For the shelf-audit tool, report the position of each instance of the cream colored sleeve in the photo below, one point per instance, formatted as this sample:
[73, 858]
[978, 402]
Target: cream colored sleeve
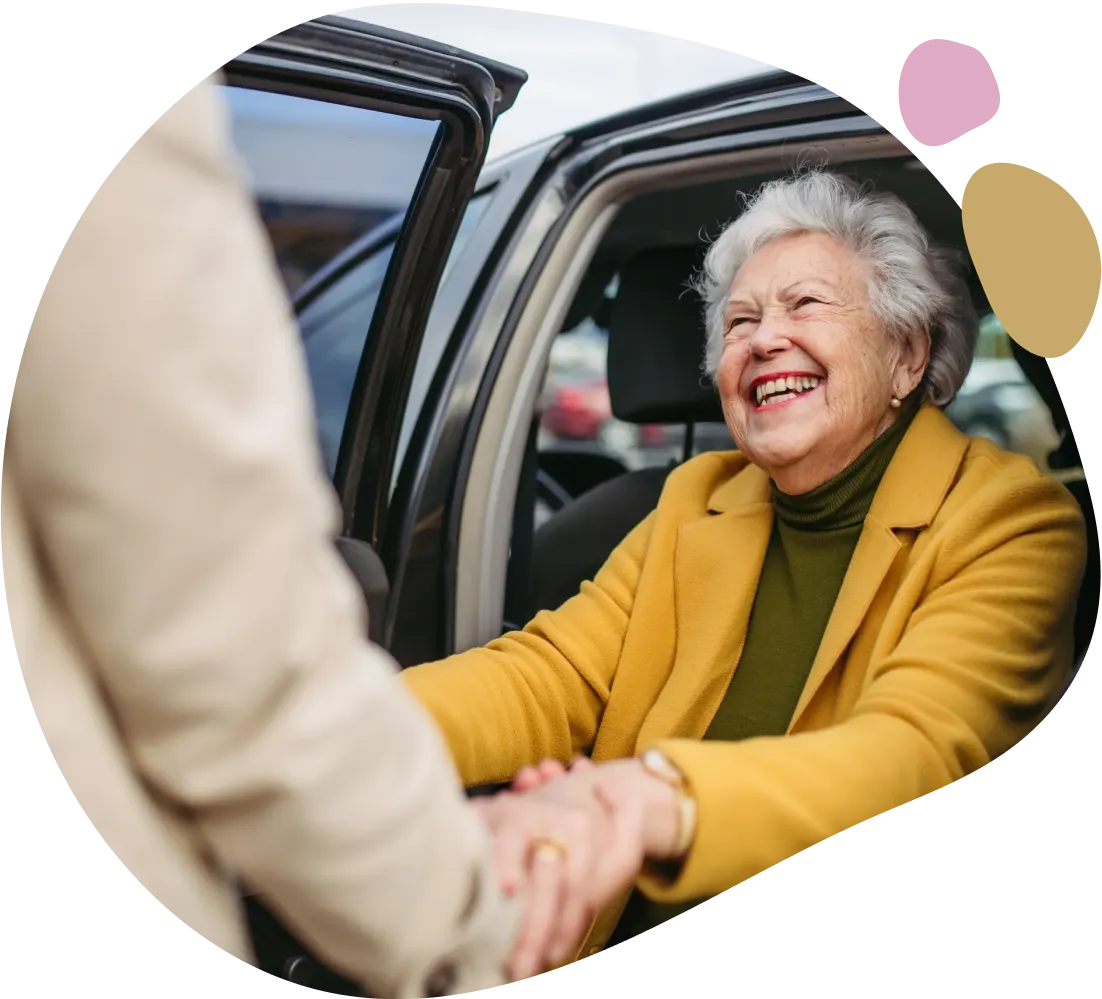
[171, 469]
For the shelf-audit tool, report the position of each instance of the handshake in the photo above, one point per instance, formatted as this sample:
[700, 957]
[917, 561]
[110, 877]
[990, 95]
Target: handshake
[573, 840]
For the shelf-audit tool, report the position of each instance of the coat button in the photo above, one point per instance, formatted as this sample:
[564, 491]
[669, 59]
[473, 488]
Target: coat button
[442, 981]
[299, 970]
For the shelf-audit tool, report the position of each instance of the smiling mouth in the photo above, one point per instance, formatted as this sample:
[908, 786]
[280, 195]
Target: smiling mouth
[781, 388]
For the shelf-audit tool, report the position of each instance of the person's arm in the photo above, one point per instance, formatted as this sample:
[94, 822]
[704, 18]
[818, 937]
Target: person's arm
[975, 669]
[537, 693]
[168, 457]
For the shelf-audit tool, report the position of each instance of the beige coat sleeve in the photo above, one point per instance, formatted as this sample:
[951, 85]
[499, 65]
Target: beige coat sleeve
[168, 459]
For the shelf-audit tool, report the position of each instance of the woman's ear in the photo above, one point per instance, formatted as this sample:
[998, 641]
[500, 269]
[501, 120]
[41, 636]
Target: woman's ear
[911, 363]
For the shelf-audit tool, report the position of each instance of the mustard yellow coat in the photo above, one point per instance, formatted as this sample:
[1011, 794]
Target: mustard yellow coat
[950, 637]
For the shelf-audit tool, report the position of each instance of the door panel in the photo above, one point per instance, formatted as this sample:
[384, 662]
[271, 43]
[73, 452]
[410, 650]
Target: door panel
[368, 569]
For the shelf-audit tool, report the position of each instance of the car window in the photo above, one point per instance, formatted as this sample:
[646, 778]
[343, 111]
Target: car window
[334, 328]
[323, 174]
[997, 401]
[325, 177]
[334, 331]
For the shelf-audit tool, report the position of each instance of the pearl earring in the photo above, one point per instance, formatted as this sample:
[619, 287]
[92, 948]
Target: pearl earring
[895, 403]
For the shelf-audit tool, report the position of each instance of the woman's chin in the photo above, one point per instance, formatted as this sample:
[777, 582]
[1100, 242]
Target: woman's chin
[775, 453]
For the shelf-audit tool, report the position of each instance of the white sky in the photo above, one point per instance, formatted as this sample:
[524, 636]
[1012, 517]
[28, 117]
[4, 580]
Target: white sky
[578, 71]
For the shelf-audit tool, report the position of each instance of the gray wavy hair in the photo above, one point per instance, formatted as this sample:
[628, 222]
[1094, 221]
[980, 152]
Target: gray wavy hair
[915, 286]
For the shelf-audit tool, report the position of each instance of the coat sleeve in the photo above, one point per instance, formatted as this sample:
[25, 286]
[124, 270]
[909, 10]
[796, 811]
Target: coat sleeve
[168, 456]
[538, 693]
[975, 668]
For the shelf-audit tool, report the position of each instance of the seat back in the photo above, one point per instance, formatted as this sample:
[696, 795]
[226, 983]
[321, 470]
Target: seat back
[655, 352]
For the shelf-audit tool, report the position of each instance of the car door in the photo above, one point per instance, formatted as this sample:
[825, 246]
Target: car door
[439, 104]
[314, 111]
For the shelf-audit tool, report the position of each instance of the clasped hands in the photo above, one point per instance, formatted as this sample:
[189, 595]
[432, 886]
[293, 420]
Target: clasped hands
[572, 841]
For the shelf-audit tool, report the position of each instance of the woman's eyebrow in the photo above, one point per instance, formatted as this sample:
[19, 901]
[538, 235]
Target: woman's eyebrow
[809, 284]
[737, 302]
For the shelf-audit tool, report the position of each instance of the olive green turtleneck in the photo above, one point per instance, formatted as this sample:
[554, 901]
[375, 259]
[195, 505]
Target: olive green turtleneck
[812, 540]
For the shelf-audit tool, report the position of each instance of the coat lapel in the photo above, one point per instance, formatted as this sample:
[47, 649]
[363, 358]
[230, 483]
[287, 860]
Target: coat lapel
[717, 566]
[913, 489]
[877, 548]
[716, 570]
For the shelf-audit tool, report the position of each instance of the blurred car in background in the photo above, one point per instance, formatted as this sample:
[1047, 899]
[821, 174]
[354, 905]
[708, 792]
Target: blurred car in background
[576, 410]
[575, 403]
[998, 402]
[581, 410]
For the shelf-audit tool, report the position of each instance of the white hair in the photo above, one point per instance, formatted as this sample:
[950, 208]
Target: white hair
[915, 287]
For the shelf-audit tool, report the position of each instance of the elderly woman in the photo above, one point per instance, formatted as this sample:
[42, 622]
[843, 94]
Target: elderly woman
[857, 607]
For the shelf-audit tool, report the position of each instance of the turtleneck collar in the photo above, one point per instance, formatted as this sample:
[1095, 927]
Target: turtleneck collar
[844, 500]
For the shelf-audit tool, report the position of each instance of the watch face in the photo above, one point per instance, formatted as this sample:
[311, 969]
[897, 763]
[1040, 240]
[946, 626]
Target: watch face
[656, 763]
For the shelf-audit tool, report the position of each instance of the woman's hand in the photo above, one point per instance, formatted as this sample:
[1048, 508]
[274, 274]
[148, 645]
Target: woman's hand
[529, 778]
[621, 782]
[571, 854]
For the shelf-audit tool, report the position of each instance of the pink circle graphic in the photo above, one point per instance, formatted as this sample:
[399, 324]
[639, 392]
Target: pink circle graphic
[945, 90]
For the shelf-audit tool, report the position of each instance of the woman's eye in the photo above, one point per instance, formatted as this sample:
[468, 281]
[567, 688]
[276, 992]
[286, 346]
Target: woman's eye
[806, 300]
[739, 321]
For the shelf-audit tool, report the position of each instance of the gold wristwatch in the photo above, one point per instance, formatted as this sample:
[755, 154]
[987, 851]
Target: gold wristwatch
[656, 764]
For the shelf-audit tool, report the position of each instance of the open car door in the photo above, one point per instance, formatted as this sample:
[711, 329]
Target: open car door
[456, 97]
[361, 377]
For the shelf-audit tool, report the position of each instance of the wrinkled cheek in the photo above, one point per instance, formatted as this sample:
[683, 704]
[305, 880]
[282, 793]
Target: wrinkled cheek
[729, 373]
[732, 365]
[735, 414]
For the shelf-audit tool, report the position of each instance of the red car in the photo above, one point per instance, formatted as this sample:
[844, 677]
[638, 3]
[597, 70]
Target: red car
[581, 411]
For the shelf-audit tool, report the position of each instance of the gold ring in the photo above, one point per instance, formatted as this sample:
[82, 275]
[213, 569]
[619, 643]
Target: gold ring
[548, 845]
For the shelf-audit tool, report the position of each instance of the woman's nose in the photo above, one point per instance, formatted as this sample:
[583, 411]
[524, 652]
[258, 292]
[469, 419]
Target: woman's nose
[769, 336]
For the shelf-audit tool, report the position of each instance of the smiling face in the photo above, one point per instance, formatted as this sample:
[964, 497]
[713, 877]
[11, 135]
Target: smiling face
[808, 372]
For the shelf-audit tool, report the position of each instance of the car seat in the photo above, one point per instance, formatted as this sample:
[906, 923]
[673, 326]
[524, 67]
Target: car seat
[655, 350]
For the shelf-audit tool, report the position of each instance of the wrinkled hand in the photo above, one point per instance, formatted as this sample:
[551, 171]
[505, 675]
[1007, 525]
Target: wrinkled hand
[623, 783]
[529, 778]
[602, 851]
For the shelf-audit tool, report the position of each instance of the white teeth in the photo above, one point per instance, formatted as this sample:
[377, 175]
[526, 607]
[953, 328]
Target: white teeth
[783, 389]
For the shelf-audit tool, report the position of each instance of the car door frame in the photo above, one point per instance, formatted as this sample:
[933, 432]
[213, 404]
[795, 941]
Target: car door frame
[346, 61]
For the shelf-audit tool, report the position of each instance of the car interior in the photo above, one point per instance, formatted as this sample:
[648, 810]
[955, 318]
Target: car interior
[655, 339]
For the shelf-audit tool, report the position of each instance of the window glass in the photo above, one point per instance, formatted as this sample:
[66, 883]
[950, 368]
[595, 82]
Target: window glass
[324, 174]
[324, 177]
[997, 401]
[334, 331]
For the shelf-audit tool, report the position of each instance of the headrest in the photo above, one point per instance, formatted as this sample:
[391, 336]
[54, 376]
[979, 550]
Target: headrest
[656, 342]
[1038, 372]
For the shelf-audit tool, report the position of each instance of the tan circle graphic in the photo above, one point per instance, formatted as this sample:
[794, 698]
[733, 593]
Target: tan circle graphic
[1036, 254]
